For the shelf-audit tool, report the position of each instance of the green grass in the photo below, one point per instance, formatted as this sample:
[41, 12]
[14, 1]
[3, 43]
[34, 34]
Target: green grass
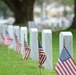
[11, 63]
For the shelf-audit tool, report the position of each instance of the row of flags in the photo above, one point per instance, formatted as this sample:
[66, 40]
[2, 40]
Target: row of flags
[65, 64]
[26, 52]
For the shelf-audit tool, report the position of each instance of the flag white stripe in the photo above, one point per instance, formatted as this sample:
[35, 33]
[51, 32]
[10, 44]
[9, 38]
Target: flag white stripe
[41, 60]
[18, 47]
[44, 59]
[73, 63]
[63, 67]
[41, 57]
[68, 68]
[58, 71]
[72, 69]
[27, 54]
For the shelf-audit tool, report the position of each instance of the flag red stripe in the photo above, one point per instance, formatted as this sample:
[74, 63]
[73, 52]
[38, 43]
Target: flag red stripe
[58, 64]
[69, 65]
[26, 52]
[74, 66]
[42, 57]
[66, 68]
[18, 44]
[59, 70]
[62, 67]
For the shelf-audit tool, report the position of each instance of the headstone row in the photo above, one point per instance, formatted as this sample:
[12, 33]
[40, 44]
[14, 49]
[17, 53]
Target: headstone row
[66, 37]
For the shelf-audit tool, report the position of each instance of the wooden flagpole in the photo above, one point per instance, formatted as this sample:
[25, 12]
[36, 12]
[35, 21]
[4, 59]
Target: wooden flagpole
[38, 57]
[8, 50]
[40, 70]
[3, 46]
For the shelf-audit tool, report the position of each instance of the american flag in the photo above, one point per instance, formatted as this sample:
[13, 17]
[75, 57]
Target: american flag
[18, 43]
[8, 39]
[26, 50]
[42, 55]
[65, 64]
[2, 41]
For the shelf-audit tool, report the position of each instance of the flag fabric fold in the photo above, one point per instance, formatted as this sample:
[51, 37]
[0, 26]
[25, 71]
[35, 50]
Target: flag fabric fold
[18, 43]
[42, 55]
[26, 51]
[8, 39]
[65, 64]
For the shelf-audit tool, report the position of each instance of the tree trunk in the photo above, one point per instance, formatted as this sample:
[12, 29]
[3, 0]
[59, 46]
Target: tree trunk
[73, 26]
[23, 10]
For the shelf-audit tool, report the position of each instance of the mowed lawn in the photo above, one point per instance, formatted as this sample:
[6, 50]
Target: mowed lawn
[11, 63]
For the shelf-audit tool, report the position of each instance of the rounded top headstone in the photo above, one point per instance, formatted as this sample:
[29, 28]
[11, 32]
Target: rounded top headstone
[66, 33]
[47, 31]
[34, 29]
[23, 28]
[16, 26]
[10, 26]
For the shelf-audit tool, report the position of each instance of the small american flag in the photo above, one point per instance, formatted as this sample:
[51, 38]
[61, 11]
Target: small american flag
[8, 39]
[65, 64]
[26, 50]
[18, 43]
[42, 55]
[2, 39]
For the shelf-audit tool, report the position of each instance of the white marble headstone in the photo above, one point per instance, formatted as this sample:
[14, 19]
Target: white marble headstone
[4, 30]
[23, 31]
[34, 43]
[47, 47]
[16, 30]
[66, 37]
[11, 33]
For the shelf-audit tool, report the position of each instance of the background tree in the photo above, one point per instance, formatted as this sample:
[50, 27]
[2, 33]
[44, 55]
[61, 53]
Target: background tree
[73, 26]
[22, 9]
[4, 9]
